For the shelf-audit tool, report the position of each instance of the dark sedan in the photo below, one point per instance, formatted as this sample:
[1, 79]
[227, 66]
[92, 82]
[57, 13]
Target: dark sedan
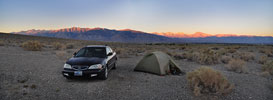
[90, 61]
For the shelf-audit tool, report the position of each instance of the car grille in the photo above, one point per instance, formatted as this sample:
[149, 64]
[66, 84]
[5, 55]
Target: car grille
[80, 67]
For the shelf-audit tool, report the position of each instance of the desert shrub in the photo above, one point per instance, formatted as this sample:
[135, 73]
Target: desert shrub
[237, 47]
[25, 86]
[265, 74]
[192, 56]
[237, 65]
[268, 52]
[231, 50]
[69, 46]
[121, 52]
[222, 51]
[182, 48]
[33, 86]
[225, 59]
[117, 50]
[207, 80]
[62, 55]
[263, 50]
[251, 50]
[268, 67]
[247, 56]
[32, 46]
[180, 56]
[58, 46]
[170, 53]
[22, 80]
[263, 59]
[208, 57]
[1, 43]
[139, 50]
[215, 48]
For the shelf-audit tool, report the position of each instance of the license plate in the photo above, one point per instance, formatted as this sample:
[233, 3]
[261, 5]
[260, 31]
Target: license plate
[78, 73]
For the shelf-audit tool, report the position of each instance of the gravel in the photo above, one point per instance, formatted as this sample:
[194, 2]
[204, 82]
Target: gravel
[20, 69]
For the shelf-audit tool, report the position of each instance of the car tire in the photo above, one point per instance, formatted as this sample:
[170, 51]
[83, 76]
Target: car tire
[115, 66]
[104, 74]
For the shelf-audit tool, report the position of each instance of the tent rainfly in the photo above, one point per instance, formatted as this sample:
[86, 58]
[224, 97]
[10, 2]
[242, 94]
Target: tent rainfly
[158, 63]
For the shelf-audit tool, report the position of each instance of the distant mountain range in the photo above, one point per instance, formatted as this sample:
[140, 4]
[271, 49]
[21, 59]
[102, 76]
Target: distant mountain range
[197, 35]
[133, 36]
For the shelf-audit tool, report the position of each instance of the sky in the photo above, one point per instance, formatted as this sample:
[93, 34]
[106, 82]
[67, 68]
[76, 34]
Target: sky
[242, 17]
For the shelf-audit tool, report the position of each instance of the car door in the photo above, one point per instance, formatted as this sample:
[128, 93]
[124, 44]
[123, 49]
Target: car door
[114, 58]
[109, 58]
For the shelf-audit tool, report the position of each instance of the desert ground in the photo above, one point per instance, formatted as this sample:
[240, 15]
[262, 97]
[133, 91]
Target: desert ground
[36, 74]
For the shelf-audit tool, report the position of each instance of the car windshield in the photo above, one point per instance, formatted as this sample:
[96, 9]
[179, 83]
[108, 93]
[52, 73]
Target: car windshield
[92, 52]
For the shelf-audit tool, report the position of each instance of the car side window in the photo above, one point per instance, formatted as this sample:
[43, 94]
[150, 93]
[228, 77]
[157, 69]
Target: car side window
[107, 50]
[110, 49]
[80, 52]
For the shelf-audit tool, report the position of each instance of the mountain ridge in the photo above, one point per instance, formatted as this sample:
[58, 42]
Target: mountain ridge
[129, 35]
[166, 34]
[198, 35]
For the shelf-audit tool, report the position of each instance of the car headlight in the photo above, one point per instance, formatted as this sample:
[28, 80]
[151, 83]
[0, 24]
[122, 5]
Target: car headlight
[97, 66]
[67, 66]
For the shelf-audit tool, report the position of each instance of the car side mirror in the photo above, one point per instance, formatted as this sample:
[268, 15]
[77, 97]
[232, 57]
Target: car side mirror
[109, 54]
[74, 54]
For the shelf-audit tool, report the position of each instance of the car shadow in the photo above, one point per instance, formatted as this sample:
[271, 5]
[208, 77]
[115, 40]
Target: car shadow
[84, 79]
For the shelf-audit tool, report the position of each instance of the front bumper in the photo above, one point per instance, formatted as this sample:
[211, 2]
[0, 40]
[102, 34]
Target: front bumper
[85, 73]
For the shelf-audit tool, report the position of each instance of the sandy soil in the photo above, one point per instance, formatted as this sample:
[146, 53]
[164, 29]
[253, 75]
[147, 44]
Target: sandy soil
[37, 75]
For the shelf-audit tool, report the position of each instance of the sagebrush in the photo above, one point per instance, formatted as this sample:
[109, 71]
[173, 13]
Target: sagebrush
[58, 46]
[32, 46]
[237, 65]
[263, 59]
[205, 56]
[207, 80]
[268, 67]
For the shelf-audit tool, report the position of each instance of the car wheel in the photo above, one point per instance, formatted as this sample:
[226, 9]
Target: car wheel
[104, 74]
[115, 66]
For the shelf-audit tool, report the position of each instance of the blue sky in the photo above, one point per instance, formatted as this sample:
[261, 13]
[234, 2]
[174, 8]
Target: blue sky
[252, 17]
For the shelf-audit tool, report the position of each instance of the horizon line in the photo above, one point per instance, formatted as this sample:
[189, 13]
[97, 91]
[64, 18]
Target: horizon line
[129, 29]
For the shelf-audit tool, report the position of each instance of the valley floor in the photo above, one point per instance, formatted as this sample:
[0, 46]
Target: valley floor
[37, 75]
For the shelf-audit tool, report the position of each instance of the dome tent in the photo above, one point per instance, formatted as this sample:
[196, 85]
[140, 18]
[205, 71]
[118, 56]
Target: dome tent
[158, 63]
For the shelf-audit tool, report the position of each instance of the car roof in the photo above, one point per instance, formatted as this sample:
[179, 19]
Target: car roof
[96, 46]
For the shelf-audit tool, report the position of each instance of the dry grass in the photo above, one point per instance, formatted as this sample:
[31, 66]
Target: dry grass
[263, 59]
[225, 59]
[58, 46]
[207, 80]
[237, 65]
[32, 46]
[268, 67]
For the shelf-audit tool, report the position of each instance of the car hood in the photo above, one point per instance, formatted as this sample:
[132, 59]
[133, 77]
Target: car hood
[85, 61]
